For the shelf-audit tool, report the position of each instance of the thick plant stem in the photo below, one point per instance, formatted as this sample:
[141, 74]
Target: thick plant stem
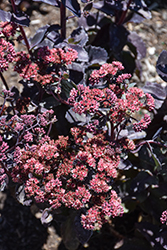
[122, 18]
[21, 28]
[4, 81]
[63, 20]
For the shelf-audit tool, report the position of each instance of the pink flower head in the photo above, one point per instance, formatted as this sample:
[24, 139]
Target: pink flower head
[163, 218]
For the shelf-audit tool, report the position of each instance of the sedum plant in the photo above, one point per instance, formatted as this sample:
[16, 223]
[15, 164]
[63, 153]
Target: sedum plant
[65, 137]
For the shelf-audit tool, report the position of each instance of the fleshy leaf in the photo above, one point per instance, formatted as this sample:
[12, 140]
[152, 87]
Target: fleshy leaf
[157, 91]
[5, 16]
[97, 55]
[39, 35]
[73, 6]
[78, 36]
[20, 19]
[51, 2]
[162, 65]
[118, 37]
[138, 43]
[68, 233]
[88, 6]
[82, 53]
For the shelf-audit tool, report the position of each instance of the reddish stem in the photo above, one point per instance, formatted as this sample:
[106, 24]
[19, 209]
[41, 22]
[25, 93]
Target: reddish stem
[21, 28]
[63, 20]
[122, 18]
[4, 81]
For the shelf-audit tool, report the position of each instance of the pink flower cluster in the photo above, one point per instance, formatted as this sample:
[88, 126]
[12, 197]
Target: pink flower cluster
[163, 218]
[80, 179]
[88, 101]
[106, 69]
[118, 104]
[8, 29]
[57, 55]
[3, 147]
[36, 69]
[142, 124]
[7, 54]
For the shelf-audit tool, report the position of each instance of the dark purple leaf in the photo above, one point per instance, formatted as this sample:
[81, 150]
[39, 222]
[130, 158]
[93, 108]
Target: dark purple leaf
[51, 2]
[145, 13]
[128, 61]
[46, 217]
[48, 31]
[5, 16]
[136, 18]
[78, 36]
[20, 19]
[105, 7]
[162, 65]
[54, 36]
[97, 55]
[54, 27]
[82, 234]
[73, 6]
[88, 21]
[148, 230]
[157, 91]
[91, 20]
[142, 181]
[161, 238]
[136, 41]
[118, 37]
[68, 233]
[88, 6]
[38, 37]
[82, 53]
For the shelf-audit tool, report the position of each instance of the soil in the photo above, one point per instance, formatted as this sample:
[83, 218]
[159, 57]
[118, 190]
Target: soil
[20, 226]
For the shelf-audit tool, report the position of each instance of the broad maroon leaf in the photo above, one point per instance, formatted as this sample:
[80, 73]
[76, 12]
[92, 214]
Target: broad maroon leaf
[143, 180]
[136, 18]
[77, 71]
[138, 43]
[104, 7]
[73, 6]
[118, 37]
[5, 16]
[68, 233]
[50, 31]
[82, 53]
[162, 65]
[20, 19]
[78, 36]
[148, 230]
[88, 6]
[38, 37]
[157, 91]
[97, 55]
[51, 2]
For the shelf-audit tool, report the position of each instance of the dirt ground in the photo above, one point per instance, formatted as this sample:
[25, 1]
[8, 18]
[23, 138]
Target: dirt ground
[20, 227]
